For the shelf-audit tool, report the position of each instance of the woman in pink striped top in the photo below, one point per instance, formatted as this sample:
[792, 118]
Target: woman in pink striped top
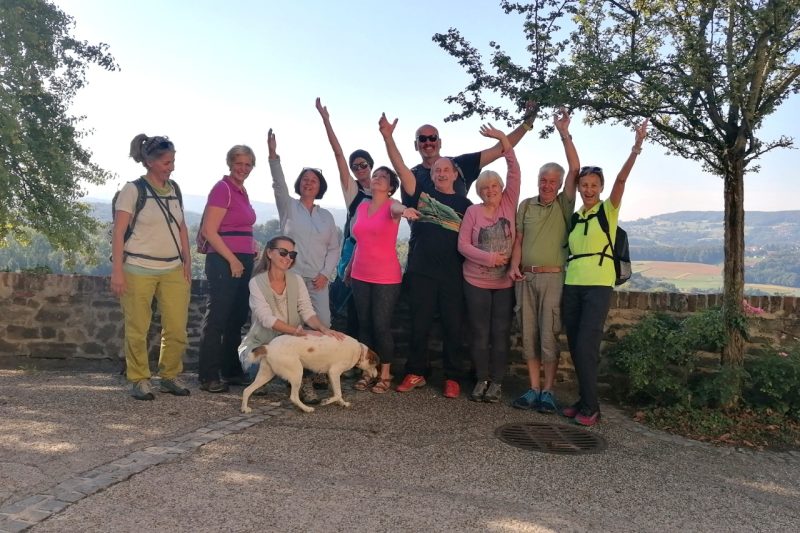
[375, 273]
[485, 240]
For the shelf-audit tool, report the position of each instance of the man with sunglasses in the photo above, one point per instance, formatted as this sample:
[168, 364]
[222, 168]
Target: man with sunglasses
[429, 144]
[537, 265]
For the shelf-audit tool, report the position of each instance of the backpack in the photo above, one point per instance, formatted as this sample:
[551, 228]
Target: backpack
[141, 198]
[619, 248]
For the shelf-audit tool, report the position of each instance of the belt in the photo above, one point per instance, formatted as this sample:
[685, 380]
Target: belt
[542, 269]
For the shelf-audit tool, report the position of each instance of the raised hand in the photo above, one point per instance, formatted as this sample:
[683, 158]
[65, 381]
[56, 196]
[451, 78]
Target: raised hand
[272, 144]
[641, 133]
[561, 120]
[385, 127]
[487, 130]
[322, 110]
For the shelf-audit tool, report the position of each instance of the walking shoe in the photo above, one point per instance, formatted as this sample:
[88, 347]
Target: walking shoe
[307, 393]
[480, 389]
[214, 386]
[587, 420]
[451, 388]
[529, 400]
[493, 394]
[411, 381]
[173, 386]
[141, 390]
[547, 403]
[570, 411]
[242, 380]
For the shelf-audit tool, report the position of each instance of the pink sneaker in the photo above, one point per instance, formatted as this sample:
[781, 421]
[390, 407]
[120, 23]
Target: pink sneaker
[586, 420]
[451, 388]
[570, 411]
[411, 381]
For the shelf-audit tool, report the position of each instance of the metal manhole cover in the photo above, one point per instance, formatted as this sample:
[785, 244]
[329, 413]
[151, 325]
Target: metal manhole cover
[551, 438]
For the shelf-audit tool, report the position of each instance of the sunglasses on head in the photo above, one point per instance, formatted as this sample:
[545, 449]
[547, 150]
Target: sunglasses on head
[359, 166]
[590, 170]
[283, 252]
[312, 168]
[428, 138]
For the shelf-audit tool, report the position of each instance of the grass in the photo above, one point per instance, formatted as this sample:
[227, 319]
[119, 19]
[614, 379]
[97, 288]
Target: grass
[688, 276]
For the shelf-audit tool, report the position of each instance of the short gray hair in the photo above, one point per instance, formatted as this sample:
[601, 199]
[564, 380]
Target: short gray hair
[552, 167]
[240, 149]
[485, 177]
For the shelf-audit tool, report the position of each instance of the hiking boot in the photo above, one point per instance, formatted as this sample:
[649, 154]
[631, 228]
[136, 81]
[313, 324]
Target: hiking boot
[214, 386]
[547, 403]
[480, 389]
[583, 419]
[493, 393]
[529, 400]
[141, 390]
[173, 386]
[411, 381]
[451, 388]
[570, 411]
[307, 393]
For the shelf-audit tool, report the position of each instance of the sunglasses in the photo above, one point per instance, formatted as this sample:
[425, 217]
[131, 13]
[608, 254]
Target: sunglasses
[590, 170]
[427, 138]
[283, 252]
[312, 168]
[359, 166]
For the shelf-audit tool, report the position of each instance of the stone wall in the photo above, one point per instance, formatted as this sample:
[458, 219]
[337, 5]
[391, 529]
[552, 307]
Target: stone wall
[77, 318]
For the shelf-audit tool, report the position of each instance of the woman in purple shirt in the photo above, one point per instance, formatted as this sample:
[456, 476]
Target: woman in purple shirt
[227, 227]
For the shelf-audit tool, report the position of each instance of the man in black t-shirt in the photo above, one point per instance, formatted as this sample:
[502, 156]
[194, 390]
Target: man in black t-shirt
[429, 144]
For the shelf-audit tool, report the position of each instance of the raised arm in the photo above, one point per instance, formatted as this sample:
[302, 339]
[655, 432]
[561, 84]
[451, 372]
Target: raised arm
[561, 121]
[341, 161]
[282, 197]
[491, 154]
[407, 179]
[619, 184]
[511, 191]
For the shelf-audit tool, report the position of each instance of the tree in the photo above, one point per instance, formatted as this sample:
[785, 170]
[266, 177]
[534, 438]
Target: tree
[42, 163]
[706, 73]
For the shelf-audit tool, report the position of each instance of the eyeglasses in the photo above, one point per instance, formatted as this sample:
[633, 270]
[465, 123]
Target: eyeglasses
[590, 170]
[283, 252]
[427, 138]
[359, 166]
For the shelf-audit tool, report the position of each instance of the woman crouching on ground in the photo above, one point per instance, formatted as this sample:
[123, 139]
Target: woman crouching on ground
[485, 239]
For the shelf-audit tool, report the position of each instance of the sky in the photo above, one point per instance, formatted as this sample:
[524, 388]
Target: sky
[212, 74]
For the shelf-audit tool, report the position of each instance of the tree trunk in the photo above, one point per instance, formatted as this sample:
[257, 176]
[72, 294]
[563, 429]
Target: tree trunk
[733, 272]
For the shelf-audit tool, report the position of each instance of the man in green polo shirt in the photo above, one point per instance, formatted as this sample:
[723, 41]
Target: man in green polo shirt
[537, 265]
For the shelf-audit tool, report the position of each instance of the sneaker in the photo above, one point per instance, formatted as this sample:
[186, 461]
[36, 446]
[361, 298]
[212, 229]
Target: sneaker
[480, 389]
[451, 388]
[174, 386]
[547, 403]
[570, 411]
[307, 393]
[529, 400]
[587, 420]
[411, 381]
[141, 390]
[493, 393]
[214, 386]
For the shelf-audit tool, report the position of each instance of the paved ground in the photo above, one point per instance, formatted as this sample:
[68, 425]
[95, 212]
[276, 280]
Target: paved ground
[77, 454]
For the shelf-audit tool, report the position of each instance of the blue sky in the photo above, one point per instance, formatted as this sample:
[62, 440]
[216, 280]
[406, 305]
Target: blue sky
[211, 74]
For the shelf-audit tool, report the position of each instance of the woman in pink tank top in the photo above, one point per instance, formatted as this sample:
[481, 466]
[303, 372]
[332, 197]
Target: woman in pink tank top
[376, 274]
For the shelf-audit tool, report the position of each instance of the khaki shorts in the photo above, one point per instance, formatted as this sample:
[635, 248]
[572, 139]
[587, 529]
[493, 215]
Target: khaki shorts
[539, 313]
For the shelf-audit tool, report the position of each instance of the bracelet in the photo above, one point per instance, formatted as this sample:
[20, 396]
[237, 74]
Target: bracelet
[569, 136]
[527, 127]
[636, 150]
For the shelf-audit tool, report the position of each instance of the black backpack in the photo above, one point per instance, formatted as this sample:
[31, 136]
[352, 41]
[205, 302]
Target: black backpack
[141, 198]
[619, 248]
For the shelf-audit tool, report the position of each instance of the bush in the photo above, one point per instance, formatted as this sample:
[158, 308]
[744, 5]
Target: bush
[773, 381]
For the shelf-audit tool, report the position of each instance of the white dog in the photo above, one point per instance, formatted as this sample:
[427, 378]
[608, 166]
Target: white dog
[286, 356]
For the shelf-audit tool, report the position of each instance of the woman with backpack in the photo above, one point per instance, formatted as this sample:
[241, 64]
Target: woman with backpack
[150, 257]
[226, 237]
[590, 279]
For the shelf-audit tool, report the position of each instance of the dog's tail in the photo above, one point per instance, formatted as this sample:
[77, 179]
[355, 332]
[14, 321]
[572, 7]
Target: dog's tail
[255, 356]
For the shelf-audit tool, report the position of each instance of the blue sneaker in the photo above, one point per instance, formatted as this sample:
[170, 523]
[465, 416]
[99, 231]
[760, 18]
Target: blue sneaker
[529, 400]
[547, 403]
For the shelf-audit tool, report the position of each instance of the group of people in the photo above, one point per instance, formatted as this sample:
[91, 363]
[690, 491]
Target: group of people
[480, 258]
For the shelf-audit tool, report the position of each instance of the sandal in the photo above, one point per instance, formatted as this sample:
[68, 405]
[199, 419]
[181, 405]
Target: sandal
[382, 386]
[363, 383]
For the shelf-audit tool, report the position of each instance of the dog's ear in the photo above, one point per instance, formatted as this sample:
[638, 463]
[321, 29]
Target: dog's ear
[261, 351]
[373, 358]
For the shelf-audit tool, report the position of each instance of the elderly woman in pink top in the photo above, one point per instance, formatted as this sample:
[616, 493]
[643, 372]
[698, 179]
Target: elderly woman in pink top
[485, 240]
[375, 273]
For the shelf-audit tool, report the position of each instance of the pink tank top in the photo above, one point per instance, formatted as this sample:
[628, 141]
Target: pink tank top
[375, 260]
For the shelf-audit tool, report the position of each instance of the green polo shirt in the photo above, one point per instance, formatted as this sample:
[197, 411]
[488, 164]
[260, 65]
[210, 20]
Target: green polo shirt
[587, 270]
[544, 230]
